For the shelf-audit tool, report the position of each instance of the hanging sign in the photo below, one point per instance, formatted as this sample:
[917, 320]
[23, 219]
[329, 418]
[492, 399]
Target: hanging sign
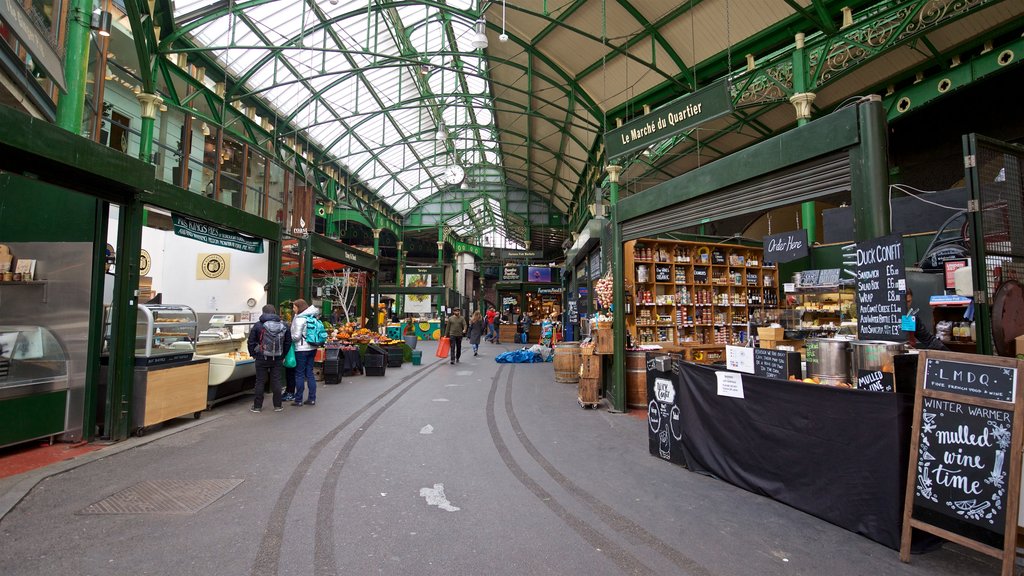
[881, 289]
[512, 273]
[963, 481]
[674, 118]
[210, 234]
[786, 246]
[508, 254]
[43, 50]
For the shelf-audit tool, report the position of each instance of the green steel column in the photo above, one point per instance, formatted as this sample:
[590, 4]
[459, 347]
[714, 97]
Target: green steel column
[376, 279]
[149, 103]
[400, 278]
[274, 272]
[95, 348]
[618, 391]
[442, 299]
[125, 313]
[870, 177]
[71, 104]
[306, 274]
[802, 101]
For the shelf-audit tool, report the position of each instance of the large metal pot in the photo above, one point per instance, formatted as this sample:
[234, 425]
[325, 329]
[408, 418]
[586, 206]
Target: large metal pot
[872, 356]
[828, 359]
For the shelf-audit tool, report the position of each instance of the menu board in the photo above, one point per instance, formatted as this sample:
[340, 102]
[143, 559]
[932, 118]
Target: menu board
[881, 289]
[700, 275]
[964, 474]
[875, 381]
[573, 311]
[512, 273]
[785, 247]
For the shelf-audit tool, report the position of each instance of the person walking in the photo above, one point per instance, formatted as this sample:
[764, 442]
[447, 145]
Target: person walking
[455, 329]
[476, 331]
[492, 331]
[269, 340]
[305, 352]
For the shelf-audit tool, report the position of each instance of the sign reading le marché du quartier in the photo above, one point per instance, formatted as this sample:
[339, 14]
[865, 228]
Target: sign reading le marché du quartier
[687, 112]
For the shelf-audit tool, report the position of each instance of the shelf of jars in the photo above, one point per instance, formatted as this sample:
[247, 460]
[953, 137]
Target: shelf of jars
[697, 294]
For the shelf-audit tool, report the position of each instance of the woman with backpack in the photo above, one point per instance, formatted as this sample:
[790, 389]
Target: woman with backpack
[305, 350]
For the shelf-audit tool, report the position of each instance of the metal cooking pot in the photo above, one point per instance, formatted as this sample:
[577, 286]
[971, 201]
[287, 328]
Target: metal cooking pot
[828, 359]
[871, 355]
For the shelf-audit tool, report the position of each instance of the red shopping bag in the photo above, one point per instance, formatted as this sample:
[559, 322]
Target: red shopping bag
[443, 347]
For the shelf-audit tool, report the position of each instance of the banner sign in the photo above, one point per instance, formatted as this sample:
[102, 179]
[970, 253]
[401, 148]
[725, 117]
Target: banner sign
[210, 234]
[674, 118]
[45, 52]
[508, 254]
[786, 246]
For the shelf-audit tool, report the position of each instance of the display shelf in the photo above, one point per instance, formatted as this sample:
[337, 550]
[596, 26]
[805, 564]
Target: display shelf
[696, 294]
[821, 310]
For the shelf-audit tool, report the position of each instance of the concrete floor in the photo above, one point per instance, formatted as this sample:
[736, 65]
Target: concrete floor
[478, 468]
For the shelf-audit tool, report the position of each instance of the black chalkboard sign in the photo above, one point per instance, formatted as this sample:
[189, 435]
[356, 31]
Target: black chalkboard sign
[785, 247]
[662, 273]
[881, 289]
[875, 381]
[776, 363]
[700, 275]
[809, 278]
[963, 482]
[970, 379]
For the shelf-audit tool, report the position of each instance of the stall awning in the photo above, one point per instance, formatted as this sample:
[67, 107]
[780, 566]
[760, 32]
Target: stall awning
[338, 252]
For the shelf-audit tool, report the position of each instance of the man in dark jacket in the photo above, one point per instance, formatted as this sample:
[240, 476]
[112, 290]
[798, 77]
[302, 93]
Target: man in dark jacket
[269, 341]
[455, 329]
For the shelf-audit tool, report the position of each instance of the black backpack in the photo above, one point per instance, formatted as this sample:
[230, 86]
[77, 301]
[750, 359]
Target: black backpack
[272, 339]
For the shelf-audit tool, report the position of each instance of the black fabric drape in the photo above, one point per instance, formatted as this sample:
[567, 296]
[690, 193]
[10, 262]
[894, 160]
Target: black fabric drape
[836, 453]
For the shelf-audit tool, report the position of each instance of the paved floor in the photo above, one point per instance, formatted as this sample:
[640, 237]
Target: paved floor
[478, 468]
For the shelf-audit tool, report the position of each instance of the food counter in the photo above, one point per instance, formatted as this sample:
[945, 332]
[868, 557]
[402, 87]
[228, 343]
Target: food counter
[232, 370]
[836, 453]
[33, 383]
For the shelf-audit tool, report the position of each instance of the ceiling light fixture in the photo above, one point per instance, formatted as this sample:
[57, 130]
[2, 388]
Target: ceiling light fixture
[101, 22]
[480, 37]
[503, 37]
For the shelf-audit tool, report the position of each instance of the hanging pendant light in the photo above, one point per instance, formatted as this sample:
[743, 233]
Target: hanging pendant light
[480, 37]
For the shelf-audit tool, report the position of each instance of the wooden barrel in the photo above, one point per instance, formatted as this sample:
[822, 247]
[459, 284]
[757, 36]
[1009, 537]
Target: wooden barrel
[636, 379]
[567, 362]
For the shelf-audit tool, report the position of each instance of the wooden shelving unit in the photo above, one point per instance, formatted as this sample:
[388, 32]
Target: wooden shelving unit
[696, 295]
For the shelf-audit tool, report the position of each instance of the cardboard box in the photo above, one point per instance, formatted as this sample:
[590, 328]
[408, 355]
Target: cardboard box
[771, 333]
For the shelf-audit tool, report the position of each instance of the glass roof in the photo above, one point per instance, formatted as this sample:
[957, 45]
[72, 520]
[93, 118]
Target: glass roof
[395, 95]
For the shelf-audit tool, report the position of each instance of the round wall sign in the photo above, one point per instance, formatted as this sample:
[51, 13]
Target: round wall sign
[214, 266]
[144, 263]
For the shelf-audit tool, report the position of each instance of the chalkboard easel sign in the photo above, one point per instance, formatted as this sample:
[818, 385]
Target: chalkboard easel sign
[963, 482]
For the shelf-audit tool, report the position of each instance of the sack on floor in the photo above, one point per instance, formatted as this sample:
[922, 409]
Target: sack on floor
[523, 356]
[444, 346]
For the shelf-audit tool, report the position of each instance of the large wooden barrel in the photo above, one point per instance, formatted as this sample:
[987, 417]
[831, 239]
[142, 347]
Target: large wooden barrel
[567, 362]
[636, 379]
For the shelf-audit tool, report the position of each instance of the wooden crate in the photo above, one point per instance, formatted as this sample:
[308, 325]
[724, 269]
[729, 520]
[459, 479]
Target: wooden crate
[604, 341]
[588, 388]
[590, 367]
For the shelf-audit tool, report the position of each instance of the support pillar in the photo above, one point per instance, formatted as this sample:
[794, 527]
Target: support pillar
[442, 299]
[71, 104]
[375, 287]
[150, 104]
[117, 424]
[870, 177]
[400, 277]
[618, 380]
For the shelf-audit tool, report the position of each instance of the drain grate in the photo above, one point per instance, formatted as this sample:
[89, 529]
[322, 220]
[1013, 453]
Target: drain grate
[163, 497]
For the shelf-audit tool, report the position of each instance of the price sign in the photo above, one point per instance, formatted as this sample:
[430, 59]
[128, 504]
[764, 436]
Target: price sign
[881, 289]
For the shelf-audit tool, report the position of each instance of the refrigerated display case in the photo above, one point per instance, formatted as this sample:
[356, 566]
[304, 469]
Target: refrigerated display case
[33, 366]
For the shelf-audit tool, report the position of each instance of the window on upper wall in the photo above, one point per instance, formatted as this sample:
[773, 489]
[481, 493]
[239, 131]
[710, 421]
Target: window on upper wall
[255, 174]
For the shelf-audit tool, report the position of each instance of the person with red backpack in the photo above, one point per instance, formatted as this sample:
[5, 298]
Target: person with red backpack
[269, 341]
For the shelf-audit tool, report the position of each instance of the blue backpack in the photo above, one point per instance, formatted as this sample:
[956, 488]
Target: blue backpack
[316, 334]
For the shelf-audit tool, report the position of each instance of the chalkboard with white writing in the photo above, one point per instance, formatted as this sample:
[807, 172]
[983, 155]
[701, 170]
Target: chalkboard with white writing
[700, 275]
[963, 482]
[881, 289]
[776, 363]
[785, 247]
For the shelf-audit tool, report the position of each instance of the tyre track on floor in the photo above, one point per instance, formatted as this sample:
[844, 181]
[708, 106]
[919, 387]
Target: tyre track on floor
[621, 524]
[622, 558]
[268, 555]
